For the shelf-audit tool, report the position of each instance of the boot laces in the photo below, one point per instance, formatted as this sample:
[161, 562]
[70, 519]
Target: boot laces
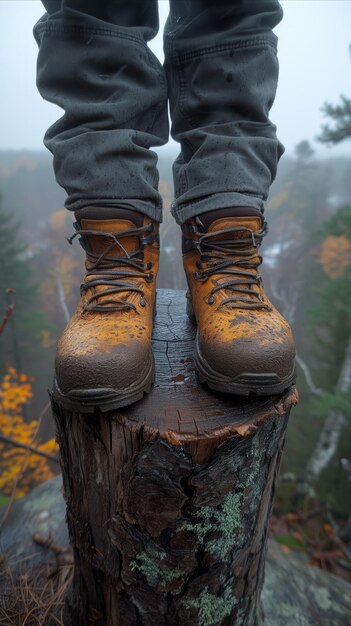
[236, 256]
[106, 270]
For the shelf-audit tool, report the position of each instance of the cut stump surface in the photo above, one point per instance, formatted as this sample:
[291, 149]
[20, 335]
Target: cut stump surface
[179, 408]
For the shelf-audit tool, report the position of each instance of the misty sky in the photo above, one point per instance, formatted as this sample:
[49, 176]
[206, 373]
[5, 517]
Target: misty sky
[315, 66]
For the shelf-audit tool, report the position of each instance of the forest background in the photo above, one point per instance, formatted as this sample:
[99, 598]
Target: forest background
[306, 270]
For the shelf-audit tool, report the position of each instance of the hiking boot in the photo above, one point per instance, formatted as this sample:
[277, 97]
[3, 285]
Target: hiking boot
[243, 344]
[104, 358]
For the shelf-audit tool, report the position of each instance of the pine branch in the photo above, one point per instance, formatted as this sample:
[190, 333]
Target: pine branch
[340, 115]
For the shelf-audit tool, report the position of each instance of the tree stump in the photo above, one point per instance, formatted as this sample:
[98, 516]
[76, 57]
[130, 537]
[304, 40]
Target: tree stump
[168, 501]
[294, 594]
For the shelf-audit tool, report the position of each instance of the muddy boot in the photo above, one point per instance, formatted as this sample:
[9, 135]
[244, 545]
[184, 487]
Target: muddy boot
[243, 344]
[104, 357]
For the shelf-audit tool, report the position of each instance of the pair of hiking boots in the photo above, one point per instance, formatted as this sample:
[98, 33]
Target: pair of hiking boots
[243, 345]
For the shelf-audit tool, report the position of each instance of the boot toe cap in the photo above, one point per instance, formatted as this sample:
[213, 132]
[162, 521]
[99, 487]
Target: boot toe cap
[96, 353]
[243, 357]
[118, 369]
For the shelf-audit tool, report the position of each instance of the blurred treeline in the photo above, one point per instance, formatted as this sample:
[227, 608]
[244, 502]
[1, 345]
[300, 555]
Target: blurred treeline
[306, 272]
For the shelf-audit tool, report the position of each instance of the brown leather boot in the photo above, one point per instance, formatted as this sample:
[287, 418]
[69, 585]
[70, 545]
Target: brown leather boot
[243, 344]
[104, 357]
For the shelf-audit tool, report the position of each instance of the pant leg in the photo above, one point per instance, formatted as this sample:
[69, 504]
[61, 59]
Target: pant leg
[222, 71]
[95, 64]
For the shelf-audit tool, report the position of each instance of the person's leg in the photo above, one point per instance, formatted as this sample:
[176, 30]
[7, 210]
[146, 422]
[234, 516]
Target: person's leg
[95, 64]
[222, 70]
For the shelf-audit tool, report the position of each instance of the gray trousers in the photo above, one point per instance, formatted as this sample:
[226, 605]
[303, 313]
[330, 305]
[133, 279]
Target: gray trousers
[220, 77]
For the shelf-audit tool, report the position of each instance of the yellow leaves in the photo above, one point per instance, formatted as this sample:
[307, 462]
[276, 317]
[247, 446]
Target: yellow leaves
[65, 266]
[335, 255]
[47, 291]
[47, 339]
[61, 221]
[58, 220]
[15, 392]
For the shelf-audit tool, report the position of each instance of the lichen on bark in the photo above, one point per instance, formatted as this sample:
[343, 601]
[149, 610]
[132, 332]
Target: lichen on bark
[155, 571]
[228, 521]
[211, 609]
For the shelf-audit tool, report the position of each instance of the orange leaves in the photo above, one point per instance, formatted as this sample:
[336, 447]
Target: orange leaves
[58, 219]
[47, 339]
[335, 255]
[15, 393]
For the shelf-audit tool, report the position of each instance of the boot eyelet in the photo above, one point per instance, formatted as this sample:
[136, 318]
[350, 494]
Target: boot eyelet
[196, 275]
[210, 300]
[142, 302]
[149, 265]
[150, 277]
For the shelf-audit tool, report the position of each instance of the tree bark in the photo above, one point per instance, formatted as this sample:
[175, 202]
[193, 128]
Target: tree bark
[168, 501]
[294, 594]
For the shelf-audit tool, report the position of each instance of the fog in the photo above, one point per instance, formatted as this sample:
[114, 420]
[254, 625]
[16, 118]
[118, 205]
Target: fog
[306, 272]
[315, 66]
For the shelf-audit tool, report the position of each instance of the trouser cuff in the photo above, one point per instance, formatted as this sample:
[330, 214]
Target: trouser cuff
[183, 212]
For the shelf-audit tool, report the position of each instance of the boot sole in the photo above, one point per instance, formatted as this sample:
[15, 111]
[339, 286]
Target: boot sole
[244, 384]
[103, 398]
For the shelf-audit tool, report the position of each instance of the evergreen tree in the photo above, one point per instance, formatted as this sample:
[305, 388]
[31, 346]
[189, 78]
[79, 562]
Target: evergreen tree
[340, 117]
[329, 314]
[19, 339]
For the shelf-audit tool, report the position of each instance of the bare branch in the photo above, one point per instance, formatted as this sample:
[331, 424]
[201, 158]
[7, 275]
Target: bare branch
[279, 297]
[308, 377]
[25, 446]
[23, 465]
[287, 299]
[8, 311]
[331, 432]
[326, 446]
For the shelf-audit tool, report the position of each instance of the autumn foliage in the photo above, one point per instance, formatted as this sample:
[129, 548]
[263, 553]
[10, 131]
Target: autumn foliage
[335, 255]
[30, 468]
